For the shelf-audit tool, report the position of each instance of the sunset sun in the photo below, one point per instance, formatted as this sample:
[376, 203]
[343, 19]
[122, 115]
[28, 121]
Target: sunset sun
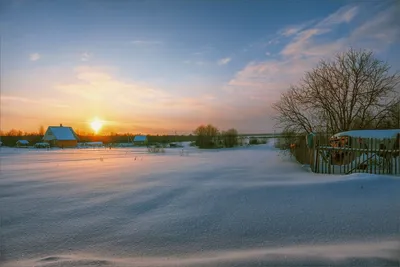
[96, 125]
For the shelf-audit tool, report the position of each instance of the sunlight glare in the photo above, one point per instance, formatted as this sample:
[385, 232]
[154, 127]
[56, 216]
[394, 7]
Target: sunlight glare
[96, 125]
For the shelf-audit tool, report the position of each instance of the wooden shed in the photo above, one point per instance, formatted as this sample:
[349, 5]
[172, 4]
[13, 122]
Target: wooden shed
[22, 143]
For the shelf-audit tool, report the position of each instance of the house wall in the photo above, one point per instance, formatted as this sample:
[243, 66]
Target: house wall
[66, 143]
[140, 143]
[48, 135]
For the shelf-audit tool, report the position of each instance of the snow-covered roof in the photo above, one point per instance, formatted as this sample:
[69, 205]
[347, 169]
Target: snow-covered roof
[61, 133]
[379, 134]
[140, 138]
[23, 142]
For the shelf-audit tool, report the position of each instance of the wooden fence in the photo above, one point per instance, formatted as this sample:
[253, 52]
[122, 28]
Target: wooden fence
[352, 155]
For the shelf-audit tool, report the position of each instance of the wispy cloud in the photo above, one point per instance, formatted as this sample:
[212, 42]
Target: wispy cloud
[303, 42]
[99, 86]
[265, 80]
[146, 42]
[304, 33]
[195, 62]
[43, 101]
[294, 29]
[343, 15]
[380, 29]
[224, 61]
[34, 56]
[85, 56]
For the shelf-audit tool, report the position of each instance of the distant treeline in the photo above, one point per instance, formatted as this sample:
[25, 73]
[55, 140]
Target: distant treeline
[11, 140]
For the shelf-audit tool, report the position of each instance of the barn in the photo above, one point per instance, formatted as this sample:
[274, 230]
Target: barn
[61, 136]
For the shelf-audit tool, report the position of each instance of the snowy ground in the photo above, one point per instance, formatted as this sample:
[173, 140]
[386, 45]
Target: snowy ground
[234, 207]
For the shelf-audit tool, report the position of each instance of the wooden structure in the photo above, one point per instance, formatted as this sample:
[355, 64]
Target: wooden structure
[140, 140]
[61, 136]
[22, 143]
[357, 151]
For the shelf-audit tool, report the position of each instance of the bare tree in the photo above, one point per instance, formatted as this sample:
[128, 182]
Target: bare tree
[41, 130]
[355, 90]
[206, 136]
[230, 137]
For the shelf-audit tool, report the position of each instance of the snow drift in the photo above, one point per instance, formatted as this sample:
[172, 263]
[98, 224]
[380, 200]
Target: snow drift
[234, 207]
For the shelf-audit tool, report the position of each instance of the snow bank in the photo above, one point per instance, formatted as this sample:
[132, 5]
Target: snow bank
[234, 207]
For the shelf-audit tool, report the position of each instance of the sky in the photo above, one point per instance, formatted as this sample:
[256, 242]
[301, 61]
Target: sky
[157, 67]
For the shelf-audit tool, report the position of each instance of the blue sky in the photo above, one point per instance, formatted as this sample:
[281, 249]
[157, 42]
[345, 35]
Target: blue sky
[160, 66]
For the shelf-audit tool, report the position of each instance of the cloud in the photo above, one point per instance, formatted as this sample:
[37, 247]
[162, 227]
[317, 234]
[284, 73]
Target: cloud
[34, 56]
[43, 101]
[302, 43]
[303, 40]
[196, 62]
[291, 30]
[380, 29]
[343, 15]
[146, 42]
[99, 87]
[264, 81]
[224, 61]
[85, 56]
[267, 53]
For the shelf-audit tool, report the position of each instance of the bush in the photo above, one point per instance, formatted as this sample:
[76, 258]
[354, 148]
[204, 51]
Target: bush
[230, 138]
[206, 136]
[255, 141]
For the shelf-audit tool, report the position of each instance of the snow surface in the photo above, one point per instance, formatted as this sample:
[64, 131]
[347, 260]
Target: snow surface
[234, 207]
[380, 134]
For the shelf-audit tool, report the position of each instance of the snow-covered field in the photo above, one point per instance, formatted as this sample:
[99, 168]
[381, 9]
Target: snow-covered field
[234, 207]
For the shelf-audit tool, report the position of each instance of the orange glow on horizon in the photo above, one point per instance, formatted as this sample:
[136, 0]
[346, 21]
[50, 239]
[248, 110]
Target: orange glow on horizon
[96, 125]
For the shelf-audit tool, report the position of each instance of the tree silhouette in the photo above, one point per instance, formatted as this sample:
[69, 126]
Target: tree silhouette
[353, 91]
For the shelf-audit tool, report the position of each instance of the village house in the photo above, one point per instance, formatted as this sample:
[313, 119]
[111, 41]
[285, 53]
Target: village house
[61, 136]
[140, 140]
[22, 143]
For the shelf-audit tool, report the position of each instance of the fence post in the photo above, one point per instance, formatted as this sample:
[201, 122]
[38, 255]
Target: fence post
[312, 160]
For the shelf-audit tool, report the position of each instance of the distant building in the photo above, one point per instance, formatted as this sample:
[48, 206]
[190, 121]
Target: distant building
[93, 144]
[140, 140]
[61, 136]
[42, 145]
[22, 143]
[243, 140]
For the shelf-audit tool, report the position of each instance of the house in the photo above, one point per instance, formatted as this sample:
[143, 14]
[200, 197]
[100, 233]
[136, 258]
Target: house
[61, 136]
[140, 140]
[22, 143]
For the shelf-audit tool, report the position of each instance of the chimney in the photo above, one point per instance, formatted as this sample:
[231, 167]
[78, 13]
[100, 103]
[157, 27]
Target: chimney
[61, 125]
